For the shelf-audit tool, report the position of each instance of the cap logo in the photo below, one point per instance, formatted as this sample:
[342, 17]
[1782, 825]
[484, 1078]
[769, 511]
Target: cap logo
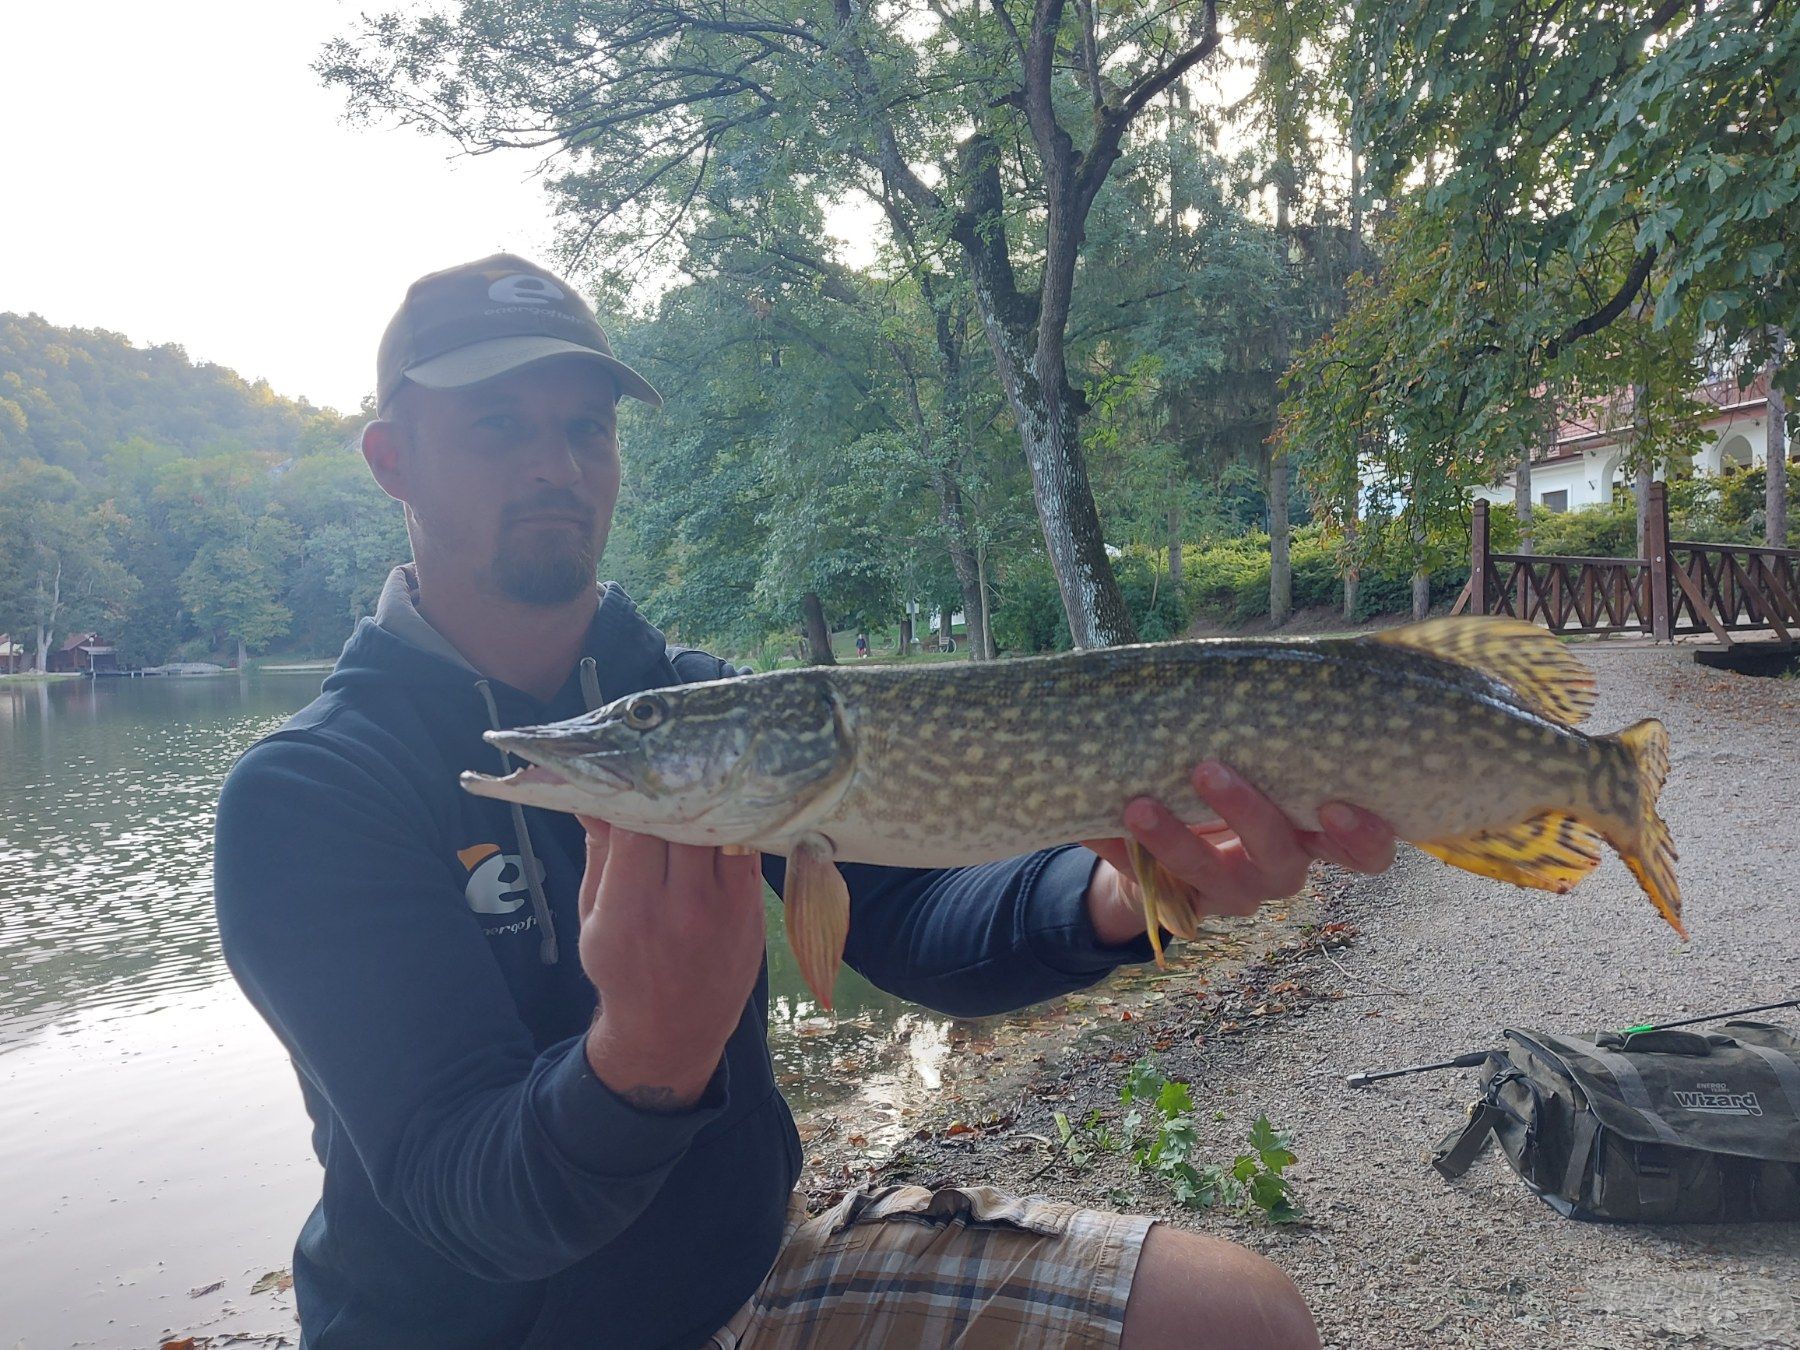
[521, 288]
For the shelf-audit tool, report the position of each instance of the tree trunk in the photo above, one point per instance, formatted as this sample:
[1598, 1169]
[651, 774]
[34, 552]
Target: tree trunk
[818, 633]
[1026, 335]
[1775, 457]
[240, 658]
[1071, 524]
[43, 649]
[1281, 571]
[1352, 573]
[1421, 577]
[987, 619]
[1522, 500]
[1175, 548]
[906, 634]
[962, 554]
[1646, 471]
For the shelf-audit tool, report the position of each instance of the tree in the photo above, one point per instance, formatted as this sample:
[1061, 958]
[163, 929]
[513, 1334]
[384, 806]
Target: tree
[232, 586]
[57, 571]
[1573, 128]
[645, 99]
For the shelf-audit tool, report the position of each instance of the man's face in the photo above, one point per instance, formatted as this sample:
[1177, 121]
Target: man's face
[513, 482]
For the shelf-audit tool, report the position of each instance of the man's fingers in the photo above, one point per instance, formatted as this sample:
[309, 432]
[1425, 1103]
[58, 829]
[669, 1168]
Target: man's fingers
[1176, 847]
[1361, 840]
[1268, 836]
[637, 859]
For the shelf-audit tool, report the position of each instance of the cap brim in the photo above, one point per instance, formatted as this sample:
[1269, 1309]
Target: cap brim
[483, 361]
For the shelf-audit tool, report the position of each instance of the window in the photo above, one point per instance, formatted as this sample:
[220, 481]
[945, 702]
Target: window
[1556, 501]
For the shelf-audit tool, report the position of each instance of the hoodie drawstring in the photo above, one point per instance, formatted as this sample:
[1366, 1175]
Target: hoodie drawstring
[590, 683]
[540, 906]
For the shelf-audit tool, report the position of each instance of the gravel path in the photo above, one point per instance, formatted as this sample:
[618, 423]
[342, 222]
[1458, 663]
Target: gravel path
[1393, 1256]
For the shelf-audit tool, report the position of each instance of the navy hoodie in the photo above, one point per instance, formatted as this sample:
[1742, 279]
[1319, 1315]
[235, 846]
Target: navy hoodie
[482, 1188]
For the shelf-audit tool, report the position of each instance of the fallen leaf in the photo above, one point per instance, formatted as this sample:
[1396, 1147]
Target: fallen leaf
[278, 1280]
[857, 1141]
[185, 1343]
[206, 1289]
[958, 1127]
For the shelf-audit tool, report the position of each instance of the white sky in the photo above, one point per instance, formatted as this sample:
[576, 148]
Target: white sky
[175, 172]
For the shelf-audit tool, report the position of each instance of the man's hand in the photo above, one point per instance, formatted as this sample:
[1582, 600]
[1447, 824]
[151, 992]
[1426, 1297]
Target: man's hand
[672, 938]
[1254, 854]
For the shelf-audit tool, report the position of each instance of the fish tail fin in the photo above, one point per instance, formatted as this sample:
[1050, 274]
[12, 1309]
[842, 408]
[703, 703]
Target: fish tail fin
[1555, 849]
[1642, 838]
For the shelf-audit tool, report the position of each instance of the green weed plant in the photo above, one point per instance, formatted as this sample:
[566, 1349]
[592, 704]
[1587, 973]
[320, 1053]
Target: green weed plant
[1158, 1137]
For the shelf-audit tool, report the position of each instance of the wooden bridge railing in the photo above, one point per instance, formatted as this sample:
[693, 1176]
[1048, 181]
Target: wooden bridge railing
[1681, 587]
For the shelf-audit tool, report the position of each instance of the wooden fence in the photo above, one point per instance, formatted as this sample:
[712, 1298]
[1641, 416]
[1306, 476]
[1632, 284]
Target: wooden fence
[1681, 587]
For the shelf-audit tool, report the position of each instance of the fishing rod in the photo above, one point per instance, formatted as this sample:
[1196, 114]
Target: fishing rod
[1472, 1058]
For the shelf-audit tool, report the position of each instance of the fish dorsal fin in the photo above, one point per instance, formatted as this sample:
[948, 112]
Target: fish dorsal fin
[1547, 677]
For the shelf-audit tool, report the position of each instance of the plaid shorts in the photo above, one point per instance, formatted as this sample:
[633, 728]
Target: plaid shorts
[968, 1267]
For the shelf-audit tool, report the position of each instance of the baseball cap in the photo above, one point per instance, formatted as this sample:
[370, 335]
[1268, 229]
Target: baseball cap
[470, 323]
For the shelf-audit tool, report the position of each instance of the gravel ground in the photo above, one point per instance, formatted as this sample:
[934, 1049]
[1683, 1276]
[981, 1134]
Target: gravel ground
[1391, 1255]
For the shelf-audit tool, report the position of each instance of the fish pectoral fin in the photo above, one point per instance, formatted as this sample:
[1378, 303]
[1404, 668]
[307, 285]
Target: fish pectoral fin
[1548, 677]
[817, 906]
[1549, 852]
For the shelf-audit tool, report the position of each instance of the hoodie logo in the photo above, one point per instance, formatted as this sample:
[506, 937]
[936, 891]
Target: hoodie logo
[496, 883]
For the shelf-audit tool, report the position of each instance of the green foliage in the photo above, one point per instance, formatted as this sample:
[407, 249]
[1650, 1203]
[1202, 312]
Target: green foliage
[1609, 134]
[188, 510]
[69, 396]
[1723, 509]
[1158, 1137]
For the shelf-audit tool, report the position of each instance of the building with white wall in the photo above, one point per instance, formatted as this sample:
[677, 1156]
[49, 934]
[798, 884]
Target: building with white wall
[1587, 462]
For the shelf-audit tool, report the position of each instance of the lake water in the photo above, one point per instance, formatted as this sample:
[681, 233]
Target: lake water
[154, 1156]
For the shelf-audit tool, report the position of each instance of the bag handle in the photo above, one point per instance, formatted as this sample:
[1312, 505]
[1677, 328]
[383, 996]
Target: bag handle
[1457, 1151]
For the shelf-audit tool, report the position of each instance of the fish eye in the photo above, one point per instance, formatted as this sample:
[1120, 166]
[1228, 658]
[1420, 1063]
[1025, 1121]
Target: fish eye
[644, 712]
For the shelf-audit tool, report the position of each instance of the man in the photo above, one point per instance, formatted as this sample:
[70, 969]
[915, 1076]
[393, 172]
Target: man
[534, 1049]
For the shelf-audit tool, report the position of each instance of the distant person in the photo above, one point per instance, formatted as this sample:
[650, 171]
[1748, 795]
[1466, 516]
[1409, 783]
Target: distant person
[534, 1048]
[862, 645]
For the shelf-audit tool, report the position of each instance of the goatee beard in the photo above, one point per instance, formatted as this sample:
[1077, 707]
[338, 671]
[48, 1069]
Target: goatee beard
[552, 573]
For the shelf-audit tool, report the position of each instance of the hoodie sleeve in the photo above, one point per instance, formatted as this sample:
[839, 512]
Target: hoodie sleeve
[971, 941]
[348, 933]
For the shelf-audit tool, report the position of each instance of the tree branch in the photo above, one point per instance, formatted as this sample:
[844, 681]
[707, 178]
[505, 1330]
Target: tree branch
[1612, 309]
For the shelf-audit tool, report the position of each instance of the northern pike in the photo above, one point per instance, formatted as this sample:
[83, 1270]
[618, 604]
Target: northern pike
[1461, 733]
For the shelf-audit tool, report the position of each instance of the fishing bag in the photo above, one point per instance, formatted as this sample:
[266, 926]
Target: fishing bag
[1651, 1127]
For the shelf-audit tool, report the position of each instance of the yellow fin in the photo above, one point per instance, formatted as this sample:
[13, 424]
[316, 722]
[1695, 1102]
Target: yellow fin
[1548, 677]
[1165, 900]
[1647, 849]
[817, 905]
[1549, 852]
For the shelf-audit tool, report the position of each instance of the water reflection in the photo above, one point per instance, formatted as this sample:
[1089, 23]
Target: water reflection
[150, 1130]
[107, 791]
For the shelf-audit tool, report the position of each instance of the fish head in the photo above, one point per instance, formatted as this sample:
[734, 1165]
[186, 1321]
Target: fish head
[727, 761]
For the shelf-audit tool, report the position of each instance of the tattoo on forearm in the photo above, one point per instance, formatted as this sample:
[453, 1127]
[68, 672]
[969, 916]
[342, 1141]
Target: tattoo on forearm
[652, 1098]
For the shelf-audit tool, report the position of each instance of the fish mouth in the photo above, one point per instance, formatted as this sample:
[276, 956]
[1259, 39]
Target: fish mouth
[569, 761]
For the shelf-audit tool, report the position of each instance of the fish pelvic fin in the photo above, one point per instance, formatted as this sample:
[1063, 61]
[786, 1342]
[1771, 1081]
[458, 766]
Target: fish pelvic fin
[1545, 675]
[816, 903]
[1549, 852]
[1164, 898]
[1644, 842]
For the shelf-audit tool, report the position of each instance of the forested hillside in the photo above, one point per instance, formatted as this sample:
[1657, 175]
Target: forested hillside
[176, 508]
